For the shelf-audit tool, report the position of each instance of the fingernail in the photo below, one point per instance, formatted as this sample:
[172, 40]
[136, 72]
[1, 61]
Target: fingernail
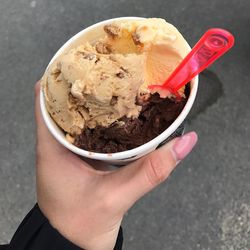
[184, 145]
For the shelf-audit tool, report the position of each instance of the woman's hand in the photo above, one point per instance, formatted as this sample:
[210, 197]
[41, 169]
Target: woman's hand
[87, 205]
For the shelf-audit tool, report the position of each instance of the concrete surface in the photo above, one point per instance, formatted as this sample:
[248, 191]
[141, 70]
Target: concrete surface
[205, 204]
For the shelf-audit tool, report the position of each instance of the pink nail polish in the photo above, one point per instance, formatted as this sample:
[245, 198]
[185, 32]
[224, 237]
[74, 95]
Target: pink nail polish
[184, 145]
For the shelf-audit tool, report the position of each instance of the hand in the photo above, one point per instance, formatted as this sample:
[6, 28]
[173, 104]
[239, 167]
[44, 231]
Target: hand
[87, 205]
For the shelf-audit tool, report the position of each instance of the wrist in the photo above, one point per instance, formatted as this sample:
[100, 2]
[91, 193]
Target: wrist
[81, 236]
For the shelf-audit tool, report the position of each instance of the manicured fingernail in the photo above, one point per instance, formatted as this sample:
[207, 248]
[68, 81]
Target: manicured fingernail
[184, 145]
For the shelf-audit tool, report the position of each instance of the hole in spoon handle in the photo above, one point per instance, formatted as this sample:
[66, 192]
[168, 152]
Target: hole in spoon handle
[216, 42]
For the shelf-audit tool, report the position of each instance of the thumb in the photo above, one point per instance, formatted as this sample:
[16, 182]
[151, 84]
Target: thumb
[132, 182]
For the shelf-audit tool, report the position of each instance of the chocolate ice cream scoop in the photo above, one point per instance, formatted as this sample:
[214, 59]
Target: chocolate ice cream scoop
[127, 133]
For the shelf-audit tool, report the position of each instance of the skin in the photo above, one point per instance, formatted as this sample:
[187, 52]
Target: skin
[86, 202]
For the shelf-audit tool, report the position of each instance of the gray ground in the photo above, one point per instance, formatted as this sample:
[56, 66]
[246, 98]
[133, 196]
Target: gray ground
[205, 204]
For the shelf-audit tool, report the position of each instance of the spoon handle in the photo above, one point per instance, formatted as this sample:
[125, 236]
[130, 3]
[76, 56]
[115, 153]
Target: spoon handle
[212, 45]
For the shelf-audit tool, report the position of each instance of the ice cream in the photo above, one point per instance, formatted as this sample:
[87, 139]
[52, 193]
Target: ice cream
[98, 92]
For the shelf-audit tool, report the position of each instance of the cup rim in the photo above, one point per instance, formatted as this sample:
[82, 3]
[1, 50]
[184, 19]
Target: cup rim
[60, 135]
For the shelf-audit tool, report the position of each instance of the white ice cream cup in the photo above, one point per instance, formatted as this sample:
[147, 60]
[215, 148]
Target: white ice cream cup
[93, 33]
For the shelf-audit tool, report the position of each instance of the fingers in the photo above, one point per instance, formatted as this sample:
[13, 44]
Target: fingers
[45, 141]
[135, 180]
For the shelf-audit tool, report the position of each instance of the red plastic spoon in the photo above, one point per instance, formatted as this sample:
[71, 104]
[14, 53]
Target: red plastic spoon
[212, 45]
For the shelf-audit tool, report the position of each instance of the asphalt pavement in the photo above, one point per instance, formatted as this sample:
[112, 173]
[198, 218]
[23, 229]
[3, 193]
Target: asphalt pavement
[205, 204]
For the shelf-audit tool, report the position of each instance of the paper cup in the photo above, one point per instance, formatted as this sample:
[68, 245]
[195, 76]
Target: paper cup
[92, 34]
